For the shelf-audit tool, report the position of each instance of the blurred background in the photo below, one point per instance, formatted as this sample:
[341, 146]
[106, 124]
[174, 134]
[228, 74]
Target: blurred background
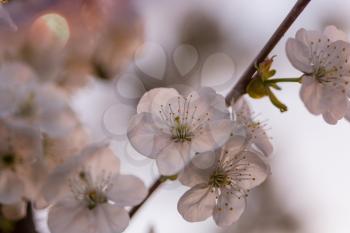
[126, 48]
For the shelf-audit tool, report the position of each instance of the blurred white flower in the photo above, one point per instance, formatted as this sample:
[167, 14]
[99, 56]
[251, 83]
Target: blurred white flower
[219, 189]
[171, 128]
[89, 195]
[253, 130]
[324, 60]
[20, 148]
[25, 100]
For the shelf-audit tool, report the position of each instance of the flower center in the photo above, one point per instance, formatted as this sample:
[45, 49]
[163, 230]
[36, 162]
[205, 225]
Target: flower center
[181, 132]
[90, 190]
[8, 159]
[93, 198]
[27, 108]
[321, 72]
[219, 179]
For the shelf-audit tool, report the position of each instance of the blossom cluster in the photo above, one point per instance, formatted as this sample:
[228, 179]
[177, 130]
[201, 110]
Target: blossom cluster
[219, 152]
[220, 156]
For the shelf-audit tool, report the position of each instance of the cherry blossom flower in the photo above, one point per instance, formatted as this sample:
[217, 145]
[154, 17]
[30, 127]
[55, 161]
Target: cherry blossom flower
[20, 148]
[88, 194]
[42, 106]
[323, 59]
[171, 128]
[219, 189]
[253, 130]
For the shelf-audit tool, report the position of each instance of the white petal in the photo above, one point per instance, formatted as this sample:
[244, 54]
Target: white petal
[229, 208]
[213, 135]
[263, 143]
[173, 158]
[15, 211]
[335, 102]
[311, 93]
[335, 34]
[208, 101]
[11, 188]
[198, 170]
[104, 160]
[204, 160]
[153, 99]
[298, 54]
[111, 219]
[71, 216]
[257, 169]
[197, 204]
[127, 190]
[146, 136]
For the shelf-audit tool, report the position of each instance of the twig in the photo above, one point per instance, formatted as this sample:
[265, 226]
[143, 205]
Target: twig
[153, 188]
[240, 88]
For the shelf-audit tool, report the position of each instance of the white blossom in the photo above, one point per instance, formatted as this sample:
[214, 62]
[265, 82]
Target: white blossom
[324, 60]
[171, 128]
[88, 194]
[220, 188]
[39, 105]
[20, 148]
[247, 126]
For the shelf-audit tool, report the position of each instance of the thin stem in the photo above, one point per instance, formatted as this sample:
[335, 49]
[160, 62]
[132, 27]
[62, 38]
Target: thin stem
[283, 80]
[240, 88]
[153, 188]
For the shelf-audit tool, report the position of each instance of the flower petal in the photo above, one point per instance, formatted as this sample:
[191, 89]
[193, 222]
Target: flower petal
[229, 208]
[311, 93]
[127, 190]
[173, 158]
[153, 99]
[111, 219]
[212, 135]
[257, 169]
[198, 170]
[197, 204]
[70, 216]
[146, 135]
[334, 34]
[298, 54]
[11, 188]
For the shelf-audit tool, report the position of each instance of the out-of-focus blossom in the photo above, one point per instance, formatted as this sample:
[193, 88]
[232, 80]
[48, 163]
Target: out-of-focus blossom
[20, 148]
[66, 43]
[246, 126]
[220, 185]
[171, 128]
[324, 60]
[42, 106]
[89, 189]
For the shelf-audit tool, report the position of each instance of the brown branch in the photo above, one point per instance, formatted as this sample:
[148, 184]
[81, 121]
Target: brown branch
[240, 88]
[153, 188]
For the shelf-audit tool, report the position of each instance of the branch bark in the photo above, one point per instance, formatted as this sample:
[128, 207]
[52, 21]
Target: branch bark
[240, 88]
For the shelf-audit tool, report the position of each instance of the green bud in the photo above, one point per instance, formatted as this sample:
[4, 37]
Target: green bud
[256, 88]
